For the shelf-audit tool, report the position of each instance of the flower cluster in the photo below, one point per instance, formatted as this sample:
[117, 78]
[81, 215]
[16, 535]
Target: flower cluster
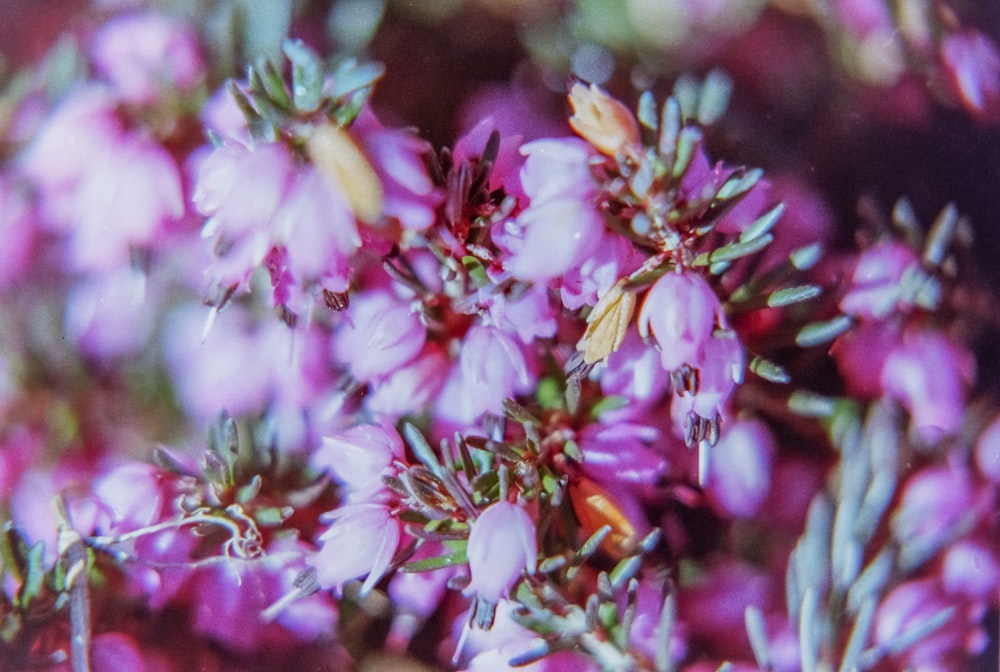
[284, 384]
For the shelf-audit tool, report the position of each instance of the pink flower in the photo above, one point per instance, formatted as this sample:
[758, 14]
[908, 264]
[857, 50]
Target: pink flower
[411, 387]
[681, 311]
[971, 63]
[739, 476]
[933, 504]
[861, 354]
[361, 540]
[928, 375]
[109, 315]
[62, 154]
[397, 157]
[911, 605]
[551, 237]
[491, 367]
[623, 453]
[381, 335]
[501, 545]
[970, 568]
[877, 284]
[988, 451]
[144, 56]
[18, 230]
[359, 456]
[633, 371]
[317, 229]
[558, 168]
[614, 258]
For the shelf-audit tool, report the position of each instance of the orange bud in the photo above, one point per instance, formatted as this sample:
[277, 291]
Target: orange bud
[601, 120]
[595, 507]
[347, 170]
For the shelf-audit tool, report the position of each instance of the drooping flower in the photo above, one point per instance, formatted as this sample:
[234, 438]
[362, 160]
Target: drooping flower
[360, 541]
[357, 457]
[928, 374]
[681, 311]
[491, 367]
[502, 544]
[971, 62]
[878, 283]
[382, 334]
[146, 57]
[739, 475]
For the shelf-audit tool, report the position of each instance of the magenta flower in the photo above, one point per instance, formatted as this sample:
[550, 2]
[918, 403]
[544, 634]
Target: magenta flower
[491, 367]
[933, 504]
[928, 374]
[971, 62]
[633, 371]
[410, 196]
[987, 452]
[739, 476]
[382, 334]
[877, 284]
[147, 56]
[614, 258]
[681, 311]
[411, 388]
[361, 540]
[970, 568]
[357, 457]
[551, 237]
[109, 315]
[501, 545]
[18, 230]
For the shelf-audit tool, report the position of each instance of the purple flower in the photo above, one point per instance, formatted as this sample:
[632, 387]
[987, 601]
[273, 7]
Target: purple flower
[241, 189]
[410, 196]
[739, 476]
[530, 315]
[411, 387]
[970, 568]
[317, 229]
[18, 231]
[382, 334]
[877, 284]
[623, 453]
[988, 451]
[558, 168]
[971, 63]
[681, 311]
[110, 315]
[928, 375]
[501, 545]
[911, 605]
[361, 540]
[146, 57]
[62, 154]
[633, 371]
[934, 503]
[614, 258]
[359, 456]
[491, 367]
[551, 237]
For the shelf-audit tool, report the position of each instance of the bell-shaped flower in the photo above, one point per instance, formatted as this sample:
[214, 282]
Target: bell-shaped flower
[552, 237]
[381, 335]
[361, 540]
[146, 55]
[740, 473]
[681, 311]
[987, 451]
[877, 283]
[502, 544]
[971, 62]
[357, 457]
[491, 367]
[928, 374]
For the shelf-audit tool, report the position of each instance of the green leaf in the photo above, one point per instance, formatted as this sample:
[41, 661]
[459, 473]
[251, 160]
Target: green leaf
[351, 76]
[763, 224]
[806, 257]
[34, 575]
[790, 295]
[307, 75]
[421, 449]
[572, 450]
[738, 184]
[459, 557]
[476, 271]
[714, 97]
[687, 142]
[733, 251]
[768, 370]
[818, 333]
[611, 402]
[647, 111]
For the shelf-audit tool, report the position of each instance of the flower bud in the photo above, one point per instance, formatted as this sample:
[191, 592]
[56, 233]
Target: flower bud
[681, 311]
[601, 120]
[501, 544]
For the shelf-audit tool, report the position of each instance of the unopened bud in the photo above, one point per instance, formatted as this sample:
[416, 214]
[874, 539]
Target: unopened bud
[601, 120]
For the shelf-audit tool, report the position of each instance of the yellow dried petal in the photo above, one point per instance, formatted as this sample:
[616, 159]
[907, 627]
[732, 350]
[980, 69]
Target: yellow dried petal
[347, 169]
[601, 120]
[607, 324]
